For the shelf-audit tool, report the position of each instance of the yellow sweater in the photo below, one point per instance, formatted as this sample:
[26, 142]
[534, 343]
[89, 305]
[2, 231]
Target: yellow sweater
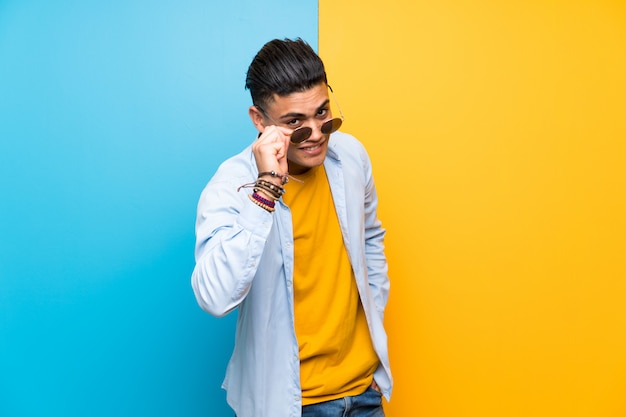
[337, 358]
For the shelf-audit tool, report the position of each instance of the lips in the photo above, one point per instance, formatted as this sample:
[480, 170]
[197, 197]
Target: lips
[312, 148]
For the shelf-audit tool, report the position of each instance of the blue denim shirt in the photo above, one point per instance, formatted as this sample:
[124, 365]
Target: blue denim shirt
[244, 258]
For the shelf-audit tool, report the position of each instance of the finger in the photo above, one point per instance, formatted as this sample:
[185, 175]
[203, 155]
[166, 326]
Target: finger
[286, 142]
[283, 136]
[277, 139]
[272, 133]
[285, 131]
[280, 148]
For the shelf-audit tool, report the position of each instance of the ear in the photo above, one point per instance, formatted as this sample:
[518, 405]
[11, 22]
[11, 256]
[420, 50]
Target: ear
[258, 120]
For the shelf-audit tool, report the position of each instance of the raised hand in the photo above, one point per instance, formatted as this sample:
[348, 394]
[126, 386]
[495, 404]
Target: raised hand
[270, 149]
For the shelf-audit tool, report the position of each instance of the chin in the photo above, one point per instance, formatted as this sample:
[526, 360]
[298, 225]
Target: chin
[301, 166]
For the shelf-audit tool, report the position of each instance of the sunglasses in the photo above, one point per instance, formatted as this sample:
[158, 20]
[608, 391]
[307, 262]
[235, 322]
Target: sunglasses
[302, 133]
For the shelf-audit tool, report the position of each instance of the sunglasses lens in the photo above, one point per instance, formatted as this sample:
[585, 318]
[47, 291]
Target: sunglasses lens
[301, 134]
[331, 125]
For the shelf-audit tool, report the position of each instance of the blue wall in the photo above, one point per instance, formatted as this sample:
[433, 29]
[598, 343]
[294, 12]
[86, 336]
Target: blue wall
[113, 116]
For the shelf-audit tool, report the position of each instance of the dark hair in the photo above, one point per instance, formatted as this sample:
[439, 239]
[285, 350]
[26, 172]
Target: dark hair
[283, 67]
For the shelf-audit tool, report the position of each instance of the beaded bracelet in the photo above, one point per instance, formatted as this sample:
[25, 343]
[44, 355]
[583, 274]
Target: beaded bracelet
[268, 188]
[274, 195]
[268, 185]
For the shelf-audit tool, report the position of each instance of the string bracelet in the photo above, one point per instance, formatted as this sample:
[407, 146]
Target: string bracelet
[284, 178]
[273, 189]
[259, 198]
[263, 188]
[266, 187]
[260, 204]
[267, 194]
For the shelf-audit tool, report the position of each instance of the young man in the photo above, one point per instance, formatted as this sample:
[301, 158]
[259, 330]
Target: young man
[287, 232]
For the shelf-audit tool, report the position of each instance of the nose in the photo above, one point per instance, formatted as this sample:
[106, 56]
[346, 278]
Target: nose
[316, 132]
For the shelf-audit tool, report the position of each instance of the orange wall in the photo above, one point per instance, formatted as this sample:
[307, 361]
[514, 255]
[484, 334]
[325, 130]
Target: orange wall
[497, 134]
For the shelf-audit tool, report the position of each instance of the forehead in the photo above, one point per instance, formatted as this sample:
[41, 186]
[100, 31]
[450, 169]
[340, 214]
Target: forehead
[301, 102]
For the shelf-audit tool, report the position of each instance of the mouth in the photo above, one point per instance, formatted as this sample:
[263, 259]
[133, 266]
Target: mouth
[312, 148]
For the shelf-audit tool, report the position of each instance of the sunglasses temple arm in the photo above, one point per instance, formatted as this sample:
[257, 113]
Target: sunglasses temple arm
[335, 100]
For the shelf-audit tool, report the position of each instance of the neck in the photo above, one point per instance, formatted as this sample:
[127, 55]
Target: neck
[295, 169]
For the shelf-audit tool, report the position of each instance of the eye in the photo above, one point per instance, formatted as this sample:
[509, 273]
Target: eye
[293, 123]
[322, 113]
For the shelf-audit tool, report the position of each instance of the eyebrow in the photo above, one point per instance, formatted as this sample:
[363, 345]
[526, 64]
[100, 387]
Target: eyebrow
[302, 115]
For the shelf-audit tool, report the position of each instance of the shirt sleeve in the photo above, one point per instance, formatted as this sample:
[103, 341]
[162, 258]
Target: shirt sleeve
[377, 268]
[231, 233]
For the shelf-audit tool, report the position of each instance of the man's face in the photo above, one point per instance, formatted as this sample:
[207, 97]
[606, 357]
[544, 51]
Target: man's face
[307, 108]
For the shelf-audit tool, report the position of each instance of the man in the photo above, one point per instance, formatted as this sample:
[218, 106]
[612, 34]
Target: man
[287, 232]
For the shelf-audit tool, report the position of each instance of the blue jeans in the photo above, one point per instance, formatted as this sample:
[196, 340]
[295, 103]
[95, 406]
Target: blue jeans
[368, 404]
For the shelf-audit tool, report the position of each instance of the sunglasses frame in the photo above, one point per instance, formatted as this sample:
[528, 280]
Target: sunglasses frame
[306, 131]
